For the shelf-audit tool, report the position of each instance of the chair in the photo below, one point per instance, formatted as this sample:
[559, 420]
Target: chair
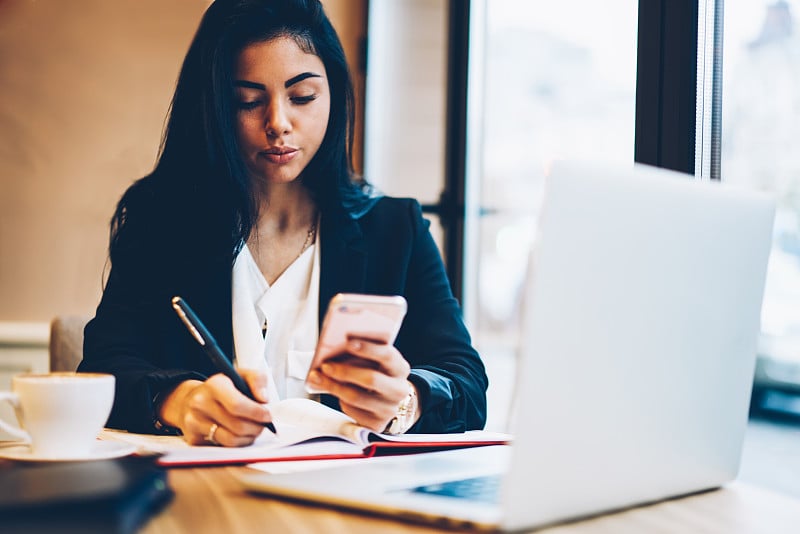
[66, 342]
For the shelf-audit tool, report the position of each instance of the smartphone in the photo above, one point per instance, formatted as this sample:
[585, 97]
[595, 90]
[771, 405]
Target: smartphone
[353, 315]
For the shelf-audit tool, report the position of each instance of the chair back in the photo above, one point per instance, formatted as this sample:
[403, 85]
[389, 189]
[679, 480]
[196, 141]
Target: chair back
[66, 342]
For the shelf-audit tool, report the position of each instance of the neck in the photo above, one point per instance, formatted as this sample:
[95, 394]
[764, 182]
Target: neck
[285, 208]
[285, 227]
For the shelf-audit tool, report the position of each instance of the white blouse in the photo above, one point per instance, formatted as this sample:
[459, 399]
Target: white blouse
[290, 307]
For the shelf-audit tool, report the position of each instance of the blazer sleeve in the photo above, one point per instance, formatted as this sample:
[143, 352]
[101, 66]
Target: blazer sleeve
[447, 371]
[126, 336]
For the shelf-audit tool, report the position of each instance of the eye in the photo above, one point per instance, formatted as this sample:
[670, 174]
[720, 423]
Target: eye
[252, 104]
[303, 99]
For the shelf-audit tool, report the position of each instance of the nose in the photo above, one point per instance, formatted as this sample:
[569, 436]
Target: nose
[277, 122]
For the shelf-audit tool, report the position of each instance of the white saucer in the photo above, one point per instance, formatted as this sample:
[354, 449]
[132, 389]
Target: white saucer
[102, 450]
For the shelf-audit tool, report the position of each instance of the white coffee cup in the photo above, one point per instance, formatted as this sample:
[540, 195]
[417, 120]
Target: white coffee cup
[61, 414]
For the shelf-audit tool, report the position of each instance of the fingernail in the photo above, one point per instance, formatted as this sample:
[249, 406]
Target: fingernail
[263, 393]
[355, 345]
[314, 377]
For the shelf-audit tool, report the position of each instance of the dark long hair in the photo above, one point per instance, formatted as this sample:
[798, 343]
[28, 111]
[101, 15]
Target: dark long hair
[199, 161]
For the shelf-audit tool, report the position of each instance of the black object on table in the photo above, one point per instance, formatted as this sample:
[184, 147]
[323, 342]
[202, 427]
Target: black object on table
[114, 496]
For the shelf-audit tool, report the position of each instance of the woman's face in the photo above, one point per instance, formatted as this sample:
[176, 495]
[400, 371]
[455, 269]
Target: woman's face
[283, 103]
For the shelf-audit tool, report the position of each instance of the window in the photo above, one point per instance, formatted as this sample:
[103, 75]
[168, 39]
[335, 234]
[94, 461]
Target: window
[547, 80]
[760, 131]
[560, 81]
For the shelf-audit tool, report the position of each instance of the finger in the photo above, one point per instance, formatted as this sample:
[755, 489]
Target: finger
[234, 402]
[198, 432]
[385, 355]
[235, 425]
[393, 389]
[356, 396]
[226, 438]
[258, 382]
[375, 337]
[203, 406]
[356, 361]
[374, 421]
[193, 430]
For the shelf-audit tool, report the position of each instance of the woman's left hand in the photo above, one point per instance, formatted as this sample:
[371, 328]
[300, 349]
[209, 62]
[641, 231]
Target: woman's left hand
[370, 383]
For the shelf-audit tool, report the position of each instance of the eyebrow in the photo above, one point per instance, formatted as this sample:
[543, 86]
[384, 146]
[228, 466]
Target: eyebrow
[250, 85]
[299, 78]
[290, 82]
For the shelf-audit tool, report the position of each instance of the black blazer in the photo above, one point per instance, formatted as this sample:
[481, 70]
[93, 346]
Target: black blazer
[136, 335]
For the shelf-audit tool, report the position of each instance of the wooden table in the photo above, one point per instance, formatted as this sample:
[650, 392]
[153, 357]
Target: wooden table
[211, 500]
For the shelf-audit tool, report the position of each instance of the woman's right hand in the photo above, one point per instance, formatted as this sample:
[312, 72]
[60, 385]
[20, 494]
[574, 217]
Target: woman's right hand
[195, 408]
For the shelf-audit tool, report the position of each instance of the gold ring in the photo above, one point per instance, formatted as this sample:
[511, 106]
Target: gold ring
[211, 432]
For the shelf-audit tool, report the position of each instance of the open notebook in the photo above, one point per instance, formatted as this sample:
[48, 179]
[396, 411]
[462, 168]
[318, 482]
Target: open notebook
[307, 430]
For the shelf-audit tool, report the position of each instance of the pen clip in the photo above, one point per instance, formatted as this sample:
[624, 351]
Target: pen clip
[176, 303]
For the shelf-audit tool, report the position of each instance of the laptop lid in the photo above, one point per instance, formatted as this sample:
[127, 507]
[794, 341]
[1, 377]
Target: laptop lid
[640, 328]
[642, 311]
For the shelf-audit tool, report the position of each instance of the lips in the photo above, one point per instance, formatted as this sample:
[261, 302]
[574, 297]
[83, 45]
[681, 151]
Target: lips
[279, 154]
[279, 150]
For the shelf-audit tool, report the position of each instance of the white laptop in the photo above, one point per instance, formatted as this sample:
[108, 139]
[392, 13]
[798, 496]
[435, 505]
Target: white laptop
[641, 318]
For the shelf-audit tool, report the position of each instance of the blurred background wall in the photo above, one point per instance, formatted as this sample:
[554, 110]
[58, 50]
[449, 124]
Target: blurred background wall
[84, 89]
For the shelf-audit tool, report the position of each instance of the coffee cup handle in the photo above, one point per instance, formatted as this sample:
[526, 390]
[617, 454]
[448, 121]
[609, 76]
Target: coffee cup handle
[13, 399]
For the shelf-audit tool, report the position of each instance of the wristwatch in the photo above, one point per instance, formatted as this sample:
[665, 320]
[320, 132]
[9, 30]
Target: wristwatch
[406, 412]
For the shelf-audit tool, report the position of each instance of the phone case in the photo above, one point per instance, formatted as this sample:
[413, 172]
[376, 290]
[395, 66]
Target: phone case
[376, 317]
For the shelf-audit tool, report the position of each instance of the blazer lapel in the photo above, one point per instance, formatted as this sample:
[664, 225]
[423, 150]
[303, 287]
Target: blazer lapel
[214, 303]
[343, 262]
[343, 259]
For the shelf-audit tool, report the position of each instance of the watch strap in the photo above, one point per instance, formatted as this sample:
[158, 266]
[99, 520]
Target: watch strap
[406, 413]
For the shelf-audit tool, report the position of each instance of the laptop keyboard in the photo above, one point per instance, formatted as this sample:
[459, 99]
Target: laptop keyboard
[484, 489]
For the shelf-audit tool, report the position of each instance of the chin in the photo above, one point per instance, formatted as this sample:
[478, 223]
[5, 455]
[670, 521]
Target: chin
[281, 179]
[270, 175]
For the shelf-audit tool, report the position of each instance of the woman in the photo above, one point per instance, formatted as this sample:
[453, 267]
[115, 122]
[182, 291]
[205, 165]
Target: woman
[253, 216]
